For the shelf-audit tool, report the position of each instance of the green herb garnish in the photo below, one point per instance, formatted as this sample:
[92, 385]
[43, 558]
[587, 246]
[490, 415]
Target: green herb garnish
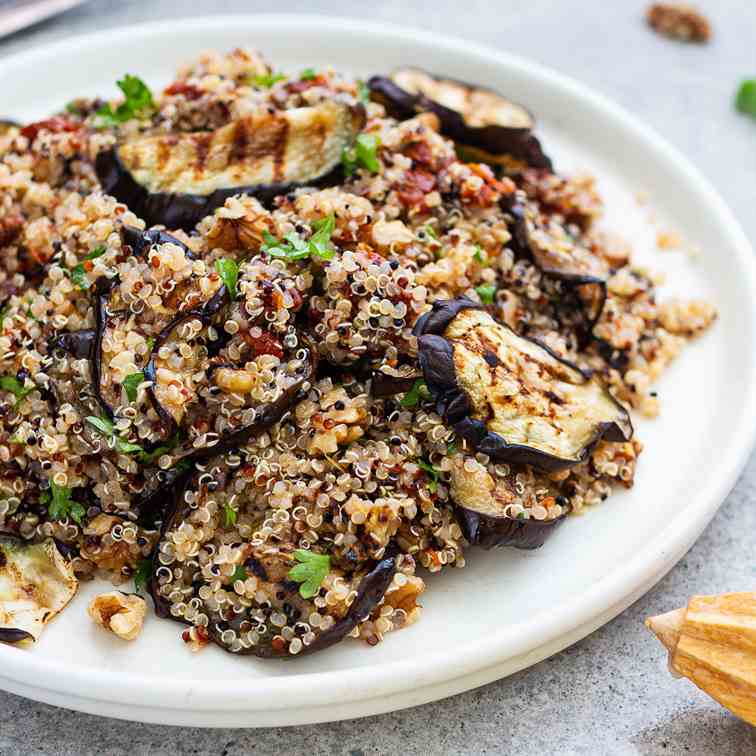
[239, 574]
[228, 270]
[310, 571]
[79, 273]
[16, 387]
[364, 153]
[745, 101]
[229, 515]
[415, 395]
[60, 504]
[138, 102]
[267, 80]
[106, 427]
[150, 343]
[142, 574]
[486, 293]
[452, 448]
[430, 231]
[149, 457]
[363, 92]
[293, 247]
[479, 256]
[131, 383]
[308, 74]
[433, 473]
[3, 315]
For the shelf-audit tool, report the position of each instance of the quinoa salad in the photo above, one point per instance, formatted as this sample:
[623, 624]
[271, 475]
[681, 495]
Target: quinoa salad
[274, 347]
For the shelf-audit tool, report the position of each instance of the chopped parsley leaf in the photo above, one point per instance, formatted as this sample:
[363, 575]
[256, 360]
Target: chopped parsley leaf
[310, 571]
[228, 270]
[138, 102]
[239, 574]
[148, 457]
[486, 293]
[131, 383]
[479, 256]
[79, 272]
[266, 81]
[142, 574]
[16, 387]
[363, 92]
[150, 343]
[745, 101]
[60, 504]
[430, 232]
[364, 153]
[293, 247]
[415, 395]
[452, 448]
[432, 472]
[521, 515]
[106, 427]
[229, 515]
[308, 74]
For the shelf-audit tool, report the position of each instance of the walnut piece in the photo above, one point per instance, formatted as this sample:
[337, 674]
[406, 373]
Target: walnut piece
[712, 642]
[679, 21]
[121, 613]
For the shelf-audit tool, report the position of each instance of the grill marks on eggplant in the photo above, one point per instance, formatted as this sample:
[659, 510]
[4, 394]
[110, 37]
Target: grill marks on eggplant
[36, 584]
[270, 618]
[494, 129]
[176, 180]
[531, 407]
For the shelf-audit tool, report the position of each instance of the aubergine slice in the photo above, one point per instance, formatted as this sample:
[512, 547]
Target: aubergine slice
[485, 507]
[476, 118]
[509, 397]
[272, 619]
[560, 256]
[176, 180]
[36, 583]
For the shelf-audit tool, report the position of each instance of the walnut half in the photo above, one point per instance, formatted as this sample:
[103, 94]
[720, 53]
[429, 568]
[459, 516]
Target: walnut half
[121, 613]
[712, 642]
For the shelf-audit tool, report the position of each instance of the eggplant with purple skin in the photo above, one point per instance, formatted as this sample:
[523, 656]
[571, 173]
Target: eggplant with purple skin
[510, 397]
[36, 584]
[481, 122]
[485, 501]
[176, 180]
[560, 256]
[276, 617]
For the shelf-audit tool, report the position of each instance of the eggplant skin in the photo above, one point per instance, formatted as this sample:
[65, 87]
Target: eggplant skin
[168, 181]
[495, 532]
[559, 427]
[496, 138]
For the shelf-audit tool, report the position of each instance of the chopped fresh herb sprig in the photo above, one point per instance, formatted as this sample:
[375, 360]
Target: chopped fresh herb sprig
[310, 571]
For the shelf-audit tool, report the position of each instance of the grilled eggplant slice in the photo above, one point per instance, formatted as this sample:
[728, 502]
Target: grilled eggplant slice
[273, 619]
[485, 507]
[178, 180]
[476, 118]
[563, 258]
[36, 583]
[510, 397]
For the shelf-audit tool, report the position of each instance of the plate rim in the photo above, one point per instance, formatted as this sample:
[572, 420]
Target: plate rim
[362, 684]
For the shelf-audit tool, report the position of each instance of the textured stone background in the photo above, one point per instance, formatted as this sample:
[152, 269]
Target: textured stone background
[610, 693]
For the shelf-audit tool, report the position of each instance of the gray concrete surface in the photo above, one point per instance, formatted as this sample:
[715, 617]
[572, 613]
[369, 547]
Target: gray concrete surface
[610, 693]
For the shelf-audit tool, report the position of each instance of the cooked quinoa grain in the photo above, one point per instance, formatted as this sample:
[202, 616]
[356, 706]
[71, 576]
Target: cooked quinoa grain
[238, 410]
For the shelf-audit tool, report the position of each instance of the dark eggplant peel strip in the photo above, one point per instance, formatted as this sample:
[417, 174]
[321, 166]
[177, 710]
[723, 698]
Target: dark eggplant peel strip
[474, 117]
[177, 180]
[255, 630]
[483, 505]
[36, 584]
[569, 262]
[510, 397]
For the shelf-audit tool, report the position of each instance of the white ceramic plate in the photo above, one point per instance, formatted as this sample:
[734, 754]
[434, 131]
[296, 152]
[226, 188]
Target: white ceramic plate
[507, 609]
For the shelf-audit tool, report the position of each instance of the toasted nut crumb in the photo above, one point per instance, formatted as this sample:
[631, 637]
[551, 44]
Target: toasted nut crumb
[121, 613]
[679, 21]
